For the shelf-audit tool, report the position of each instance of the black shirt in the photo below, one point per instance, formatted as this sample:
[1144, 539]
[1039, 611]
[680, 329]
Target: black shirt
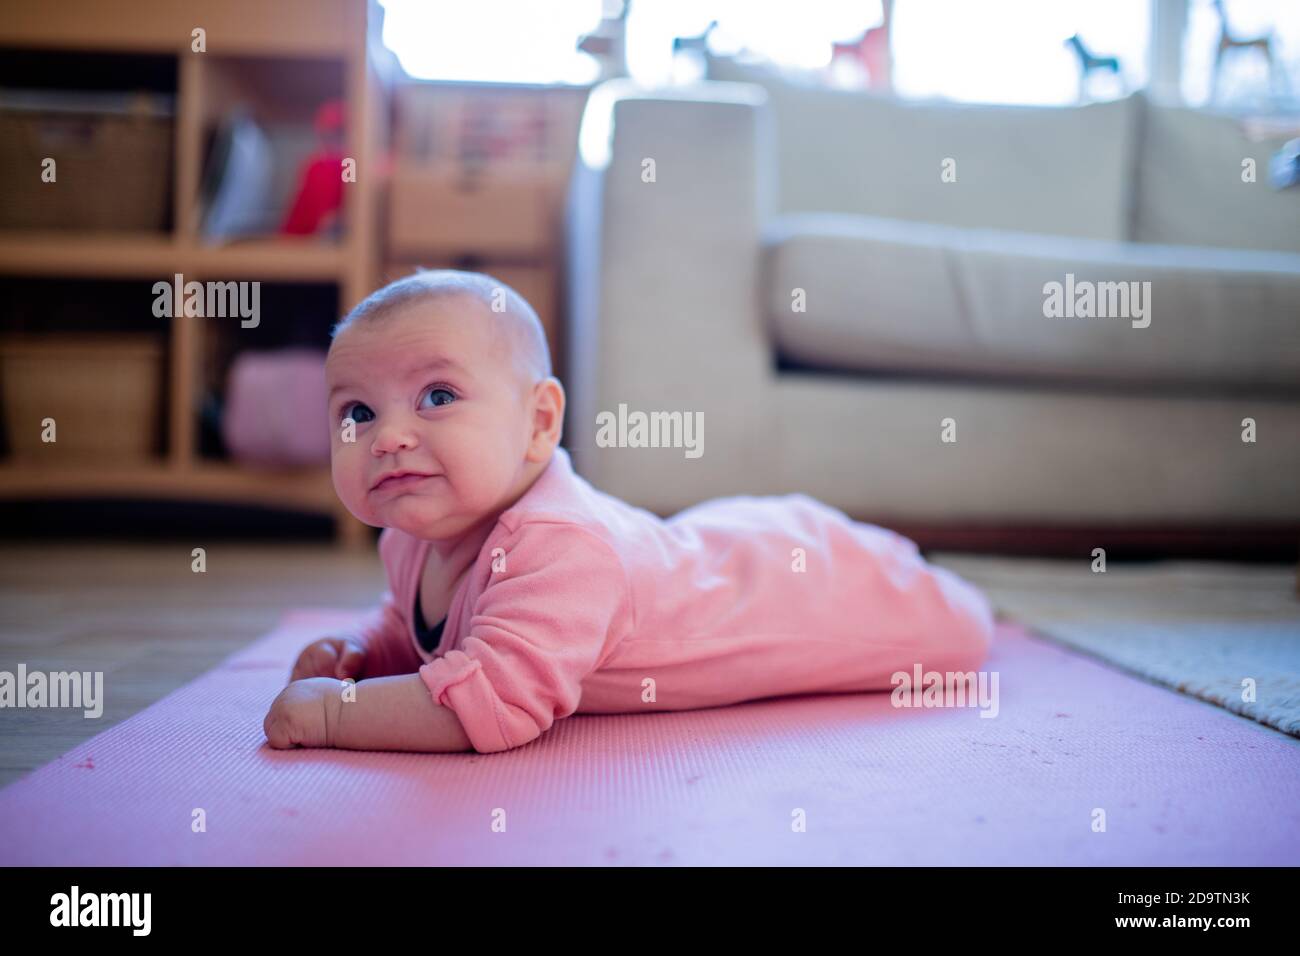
[428, 637]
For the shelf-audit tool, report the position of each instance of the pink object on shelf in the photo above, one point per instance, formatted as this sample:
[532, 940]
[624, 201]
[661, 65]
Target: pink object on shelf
[1180, 781]
[275, 411]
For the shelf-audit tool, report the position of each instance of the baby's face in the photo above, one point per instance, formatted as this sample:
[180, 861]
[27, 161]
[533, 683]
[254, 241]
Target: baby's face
[433, 390]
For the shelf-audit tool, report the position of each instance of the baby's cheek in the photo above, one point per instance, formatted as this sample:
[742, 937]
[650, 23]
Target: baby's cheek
[349, 483]
[479, 493]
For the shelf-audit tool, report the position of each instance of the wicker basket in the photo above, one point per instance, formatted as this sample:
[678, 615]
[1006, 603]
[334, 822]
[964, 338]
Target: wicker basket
[113, 169]
[104, 392]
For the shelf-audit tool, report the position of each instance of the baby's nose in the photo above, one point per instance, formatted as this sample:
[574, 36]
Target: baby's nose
[393, 438]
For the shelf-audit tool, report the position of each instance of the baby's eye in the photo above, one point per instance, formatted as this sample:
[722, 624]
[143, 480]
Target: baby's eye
[440, 395]
[358, 412]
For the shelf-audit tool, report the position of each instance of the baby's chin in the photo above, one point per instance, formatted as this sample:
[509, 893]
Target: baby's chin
[392, 510]
[422, 518]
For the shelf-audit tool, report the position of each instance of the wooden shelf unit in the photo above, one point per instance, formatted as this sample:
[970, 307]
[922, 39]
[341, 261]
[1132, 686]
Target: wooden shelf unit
[285, 56]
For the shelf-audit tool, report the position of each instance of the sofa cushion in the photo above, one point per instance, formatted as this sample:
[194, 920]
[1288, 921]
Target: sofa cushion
[1190, 188]
[886, 295]
[1063, 170]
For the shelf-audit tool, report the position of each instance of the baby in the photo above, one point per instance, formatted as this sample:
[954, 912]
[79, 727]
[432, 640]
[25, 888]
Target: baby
[519, 594]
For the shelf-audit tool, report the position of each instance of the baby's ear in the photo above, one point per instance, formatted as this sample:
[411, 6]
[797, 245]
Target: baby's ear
[554, 383]
[548, 418]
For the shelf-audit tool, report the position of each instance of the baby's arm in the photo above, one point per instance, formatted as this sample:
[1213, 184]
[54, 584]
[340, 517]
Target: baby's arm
[386, 713]
[387, 649]
[515, 673]
[396, 713]
[378, 649]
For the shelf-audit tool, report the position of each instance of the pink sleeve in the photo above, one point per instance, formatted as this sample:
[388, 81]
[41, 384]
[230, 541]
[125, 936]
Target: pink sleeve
[542, 624]
[385, 634]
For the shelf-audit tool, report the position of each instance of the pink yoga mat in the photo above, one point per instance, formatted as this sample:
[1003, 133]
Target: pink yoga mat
[1181, 782]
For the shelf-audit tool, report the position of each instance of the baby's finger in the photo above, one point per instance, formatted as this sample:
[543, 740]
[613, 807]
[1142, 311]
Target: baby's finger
[326, 659]
[318, 660]
[350, 661]
[273, 727]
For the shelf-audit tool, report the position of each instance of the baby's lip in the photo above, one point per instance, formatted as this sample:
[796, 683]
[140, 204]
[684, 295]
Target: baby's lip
[399, 473]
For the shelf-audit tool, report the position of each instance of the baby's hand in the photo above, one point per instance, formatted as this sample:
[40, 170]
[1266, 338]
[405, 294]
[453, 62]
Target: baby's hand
[339, 657]
[304, 714]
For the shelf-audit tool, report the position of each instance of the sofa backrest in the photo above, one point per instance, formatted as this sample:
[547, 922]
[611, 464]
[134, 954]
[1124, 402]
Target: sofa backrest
[1066, 171]
[1190, 189]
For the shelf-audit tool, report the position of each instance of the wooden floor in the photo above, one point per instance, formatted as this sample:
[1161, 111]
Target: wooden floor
[151, 624]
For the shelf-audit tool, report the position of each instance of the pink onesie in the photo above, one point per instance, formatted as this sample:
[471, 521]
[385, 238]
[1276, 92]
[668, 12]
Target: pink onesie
[581, 603]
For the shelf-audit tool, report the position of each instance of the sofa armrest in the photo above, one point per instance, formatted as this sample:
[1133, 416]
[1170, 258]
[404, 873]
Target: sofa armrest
[665, 315]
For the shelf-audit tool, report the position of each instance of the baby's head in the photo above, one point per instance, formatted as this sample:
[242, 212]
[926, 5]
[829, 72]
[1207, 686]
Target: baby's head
[447, 375]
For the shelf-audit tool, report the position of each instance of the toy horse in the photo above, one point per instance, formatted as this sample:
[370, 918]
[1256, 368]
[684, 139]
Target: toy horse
[608, 43]
[696, 44]
[1090, 63]
[1230, 41]
[871, 51]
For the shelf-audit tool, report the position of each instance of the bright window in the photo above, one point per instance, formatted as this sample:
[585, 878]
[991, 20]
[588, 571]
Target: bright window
[495, 41]
[992, 51]
[1013, 51]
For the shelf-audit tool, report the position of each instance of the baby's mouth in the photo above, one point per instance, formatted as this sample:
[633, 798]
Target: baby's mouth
[396, 482]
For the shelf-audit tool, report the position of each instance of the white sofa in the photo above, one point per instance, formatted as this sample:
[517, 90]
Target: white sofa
[924, 302]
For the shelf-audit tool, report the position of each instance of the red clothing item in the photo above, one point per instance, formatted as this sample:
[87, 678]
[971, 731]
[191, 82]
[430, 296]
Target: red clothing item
[581, 603]
[320, 194]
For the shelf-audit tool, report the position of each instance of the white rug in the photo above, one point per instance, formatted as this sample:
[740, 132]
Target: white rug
[1203, 628]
